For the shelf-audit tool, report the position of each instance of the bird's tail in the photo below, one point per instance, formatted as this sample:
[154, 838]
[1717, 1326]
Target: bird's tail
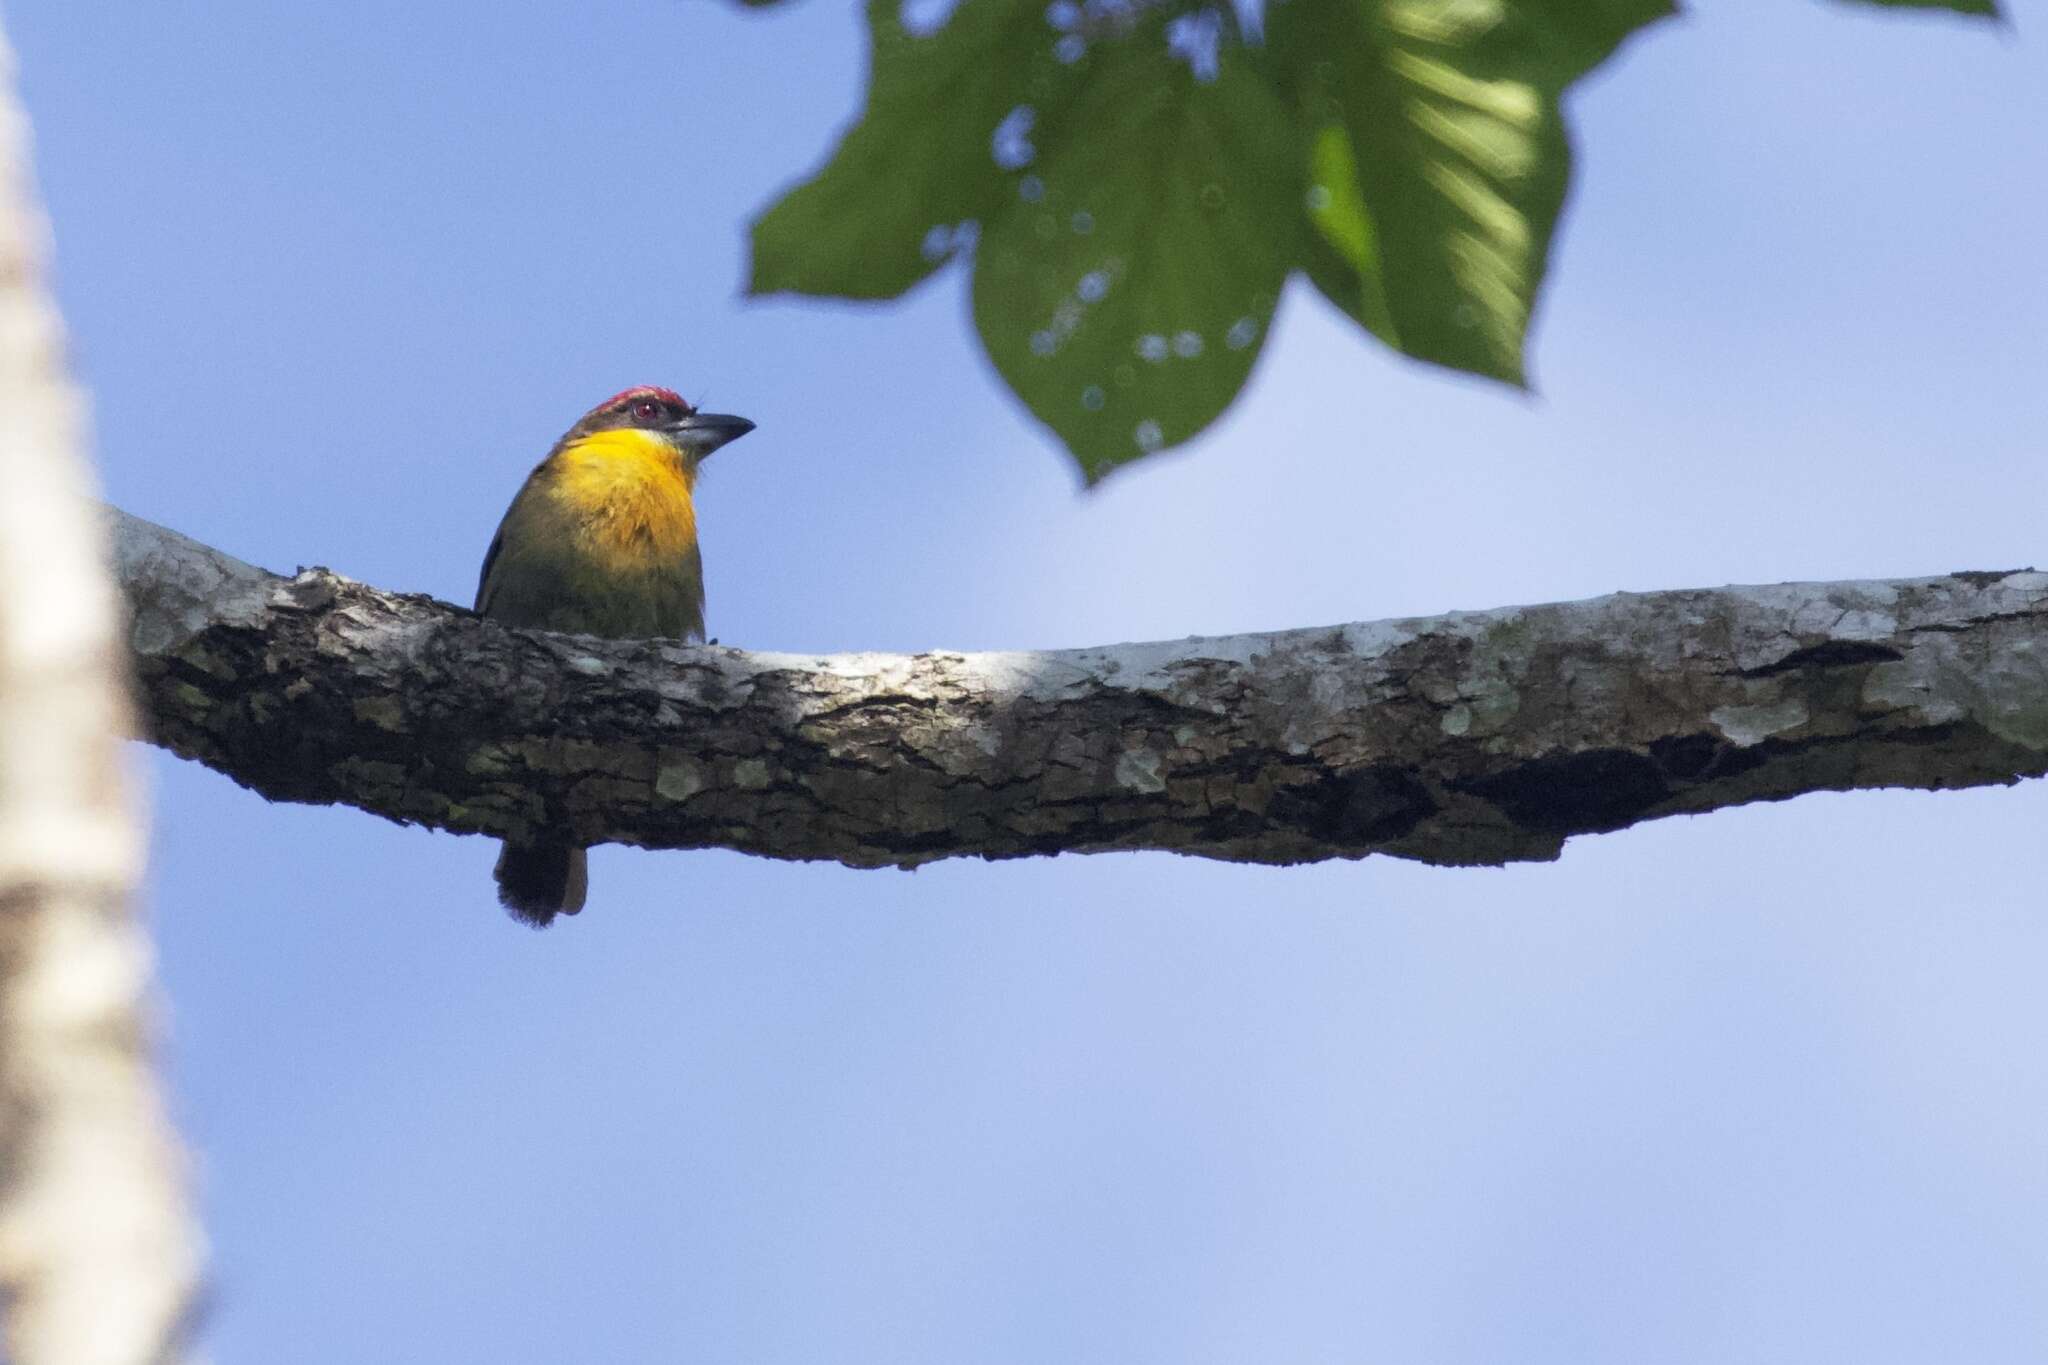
[538, 881]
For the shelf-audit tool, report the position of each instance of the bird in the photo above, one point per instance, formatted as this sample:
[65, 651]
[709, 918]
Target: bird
[600, 540]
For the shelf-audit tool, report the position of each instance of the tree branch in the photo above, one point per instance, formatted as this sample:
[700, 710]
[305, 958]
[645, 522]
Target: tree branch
[1477, 737]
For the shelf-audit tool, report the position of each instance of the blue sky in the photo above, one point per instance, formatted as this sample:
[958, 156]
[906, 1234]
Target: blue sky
[1764, 1085]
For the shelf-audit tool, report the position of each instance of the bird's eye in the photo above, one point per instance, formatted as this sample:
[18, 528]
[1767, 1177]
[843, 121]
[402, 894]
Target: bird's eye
[647, 410]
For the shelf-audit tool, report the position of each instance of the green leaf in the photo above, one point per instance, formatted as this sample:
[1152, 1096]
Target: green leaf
[1438, 158]
[880, 215]
[1138, 205]
[1125, 287]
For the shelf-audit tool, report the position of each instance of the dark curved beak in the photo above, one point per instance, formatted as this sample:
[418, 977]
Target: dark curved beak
[703, 432]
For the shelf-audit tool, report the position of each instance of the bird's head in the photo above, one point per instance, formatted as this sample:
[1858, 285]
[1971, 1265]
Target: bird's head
[661, 413]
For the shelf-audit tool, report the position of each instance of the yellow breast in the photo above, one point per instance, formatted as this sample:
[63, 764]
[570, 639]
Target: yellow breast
[630, 498]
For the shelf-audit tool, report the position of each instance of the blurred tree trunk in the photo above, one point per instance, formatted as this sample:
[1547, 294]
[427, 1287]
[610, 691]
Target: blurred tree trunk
[99, 1255]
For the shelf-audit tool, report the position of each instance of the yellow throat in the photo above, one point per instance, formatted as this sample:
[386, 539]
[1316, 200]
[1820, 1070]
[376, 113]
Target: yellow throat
[628, 493]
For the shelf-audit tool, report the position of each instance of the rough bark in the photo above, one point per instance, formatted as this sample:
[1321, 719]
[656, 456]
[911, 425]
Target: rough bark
[98, 1251]
[1477, 737]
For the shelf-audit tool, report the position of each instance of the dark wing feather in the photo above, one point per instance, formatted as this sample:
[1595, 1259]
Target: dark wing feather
[483, 578]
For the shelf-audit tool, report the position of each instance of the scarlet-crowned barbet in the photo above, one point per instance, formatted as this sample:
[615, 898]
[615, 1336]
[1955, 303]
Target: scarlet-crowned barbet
[601, 540]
